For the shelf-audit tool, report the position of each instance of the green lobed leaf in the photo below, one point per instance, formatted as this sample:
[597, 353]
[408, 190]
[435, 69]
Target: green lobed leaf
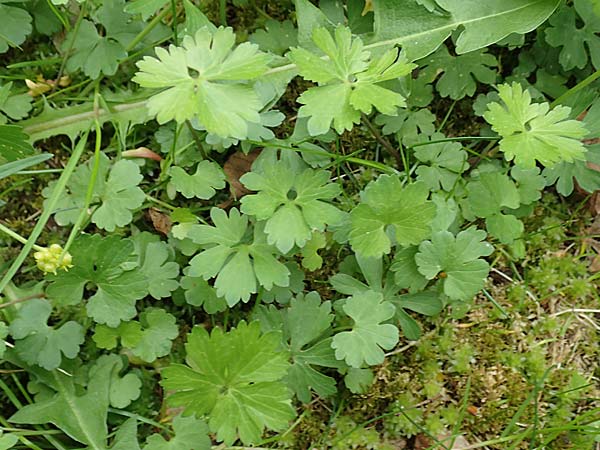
[198, 292]
[304, 325]
[16, 26]
[190, 434]
[461, 73]
[388, 207]
[358, 381]
[16, 106]
[311, 260]
[406, 272]
[235, 379]
[576, 41]
[238, 265]
[457, 257]
[144, 7]
[408, 124]
[130, 333]
[566, 174]
[159, 329]
[100, 261]
[369, 337]
[219, 95]
[490, 193]
[123, 388]
[292, 203]
[277, 37]
[443, 163]
[532, 132]
[38, 343]
[348, 81]
[201, 184]
[93, 53]
[155, 262]
[116, 189]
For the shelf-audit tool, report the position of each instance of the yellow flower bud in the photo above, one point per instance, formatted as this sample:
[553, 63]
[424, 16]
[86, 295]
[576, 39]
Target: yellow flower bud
[48, 259]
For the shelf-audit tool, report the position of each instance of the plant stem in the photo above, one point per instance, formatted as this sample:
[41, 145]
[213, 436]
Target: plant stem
[59, 16]
[160, 202]
[151, 25]
[17, 237]
[48, 211]
[21, 300]
[223, 12]
[384, 142]
[579, 86]
[102, 114]
[70, 47]
[85, 213]
[453, 139]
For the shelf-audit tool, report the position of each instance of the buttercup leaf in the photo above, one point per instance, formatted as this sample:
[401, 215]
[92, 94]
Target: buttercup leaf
[218, 95]
[234, 378]
[369, 336]
[532, 132]
[388, 207]
[348, 81]
[457, 257]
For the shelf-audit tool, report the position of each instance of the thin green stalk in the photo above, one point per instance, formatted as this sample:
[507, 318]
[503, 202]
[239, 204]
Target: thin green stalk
[364, 162]
[21, 388]
[400, 161]
[579, 86]
[447, 116]
[21, 438]
[61, 92]
[405, 163]
[461, 414]
[147, 29]
[497, 305]
[63, 64]
[174, 24]
[160, 202]
[35, 63]
[48, 211]
[139, 418]
[11, 395]
[85, 213]
[453, 139]
[59, 16]
[524, 405]
[223, 12]
[24, 432]
[37, 172]
[17, 237]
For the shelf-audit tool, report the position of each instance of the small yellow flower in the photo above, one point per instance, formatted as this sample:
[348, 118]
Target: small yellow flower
[48, 259]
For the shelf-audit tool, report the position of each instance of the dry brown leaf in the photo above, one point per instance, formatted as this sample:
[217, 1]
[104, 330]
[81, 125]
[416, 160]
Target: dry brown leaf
[595, 203]
[460, 443]
[161, 221]
[422, 442]
[237, 165]
[595, 265]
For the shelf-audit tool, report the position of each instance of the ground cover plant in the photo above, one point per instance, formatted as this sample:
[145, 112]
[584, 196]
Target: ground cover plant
[364, 224]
